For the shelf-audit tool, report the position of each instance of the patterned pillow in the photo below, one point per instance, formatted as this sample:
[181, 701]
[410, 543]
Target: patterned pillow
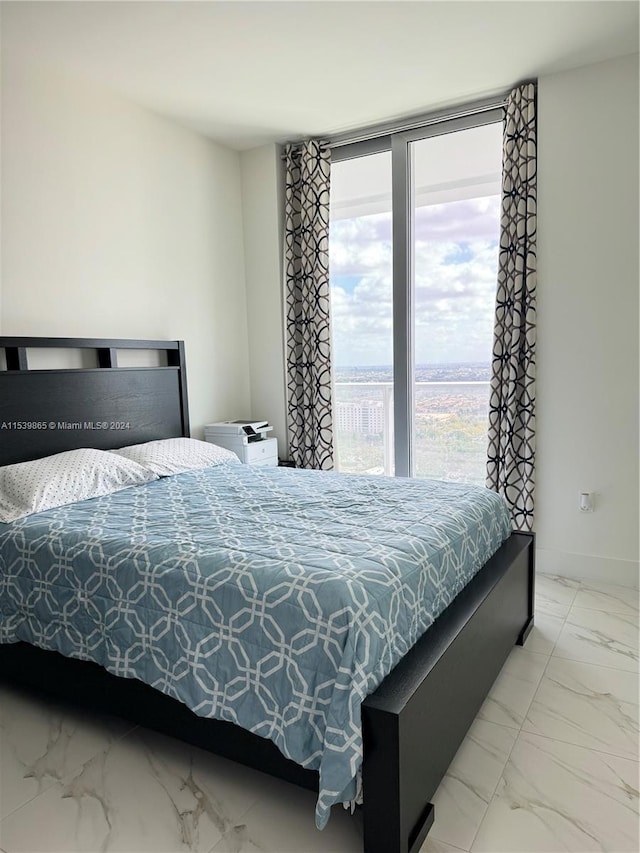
[175, 455]
[75, 475]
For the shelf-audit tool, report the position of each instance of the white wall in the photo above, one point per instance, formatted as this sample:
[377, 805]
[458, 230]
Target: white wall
[587, 352]
[262, 221]
[118, 223]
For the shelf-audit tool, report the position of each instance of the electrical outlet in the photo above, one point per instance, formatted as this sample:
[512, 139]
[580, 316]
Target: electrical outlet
[586, 502]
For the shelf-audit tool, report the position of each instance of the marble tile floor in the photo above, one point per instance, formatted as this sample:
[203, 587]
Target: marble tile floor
[550, 763]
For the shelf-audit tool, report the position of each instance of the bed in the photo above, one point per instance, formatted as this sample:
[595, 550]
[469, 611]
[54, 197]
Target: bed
[413, 719]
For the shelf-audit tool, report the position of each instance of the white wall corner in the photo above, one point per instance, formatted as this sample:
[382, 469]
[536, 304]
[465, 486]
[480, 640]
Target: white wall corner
[262, 229]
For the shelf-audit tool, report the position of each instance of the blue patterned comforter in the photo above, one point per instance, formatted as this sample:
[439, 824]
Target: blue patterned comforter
[274, 598]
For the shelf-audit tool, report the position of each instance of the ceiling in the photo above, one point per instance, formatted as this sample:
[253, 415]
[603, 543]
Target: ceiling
[247, 73]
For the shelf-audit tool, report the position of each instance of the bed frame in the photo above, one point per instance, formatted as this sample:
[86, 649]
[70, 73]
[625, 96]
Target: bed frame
[412, 724]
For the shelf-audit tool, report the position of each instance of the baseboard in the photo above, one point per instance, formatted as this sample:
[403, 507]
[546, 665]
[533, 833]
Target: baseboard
[588, 567]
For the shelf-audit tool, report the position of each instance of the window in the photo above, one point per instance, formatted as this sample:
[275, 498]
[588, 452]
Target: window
[413, 265]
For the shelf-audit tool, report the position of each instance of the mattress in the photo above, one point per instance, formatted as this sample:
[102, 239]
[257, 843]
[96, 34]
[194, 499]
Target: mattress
[274, 598]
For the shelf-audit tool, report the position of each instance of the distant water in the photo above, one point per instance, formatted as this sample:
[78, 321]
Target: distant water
[460, 372]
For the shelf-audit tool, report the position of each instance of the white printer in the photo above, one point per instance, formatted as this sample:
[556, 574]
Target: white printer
[246, 438]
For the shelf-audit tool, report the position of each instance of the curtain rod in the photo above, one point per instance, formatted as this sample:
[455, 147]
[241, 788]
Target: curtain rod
[402, 125]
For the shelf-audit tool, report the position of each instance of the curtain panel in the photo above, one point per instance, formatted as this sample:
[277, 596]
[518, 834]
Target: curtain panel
[308, 320]
[511, 452]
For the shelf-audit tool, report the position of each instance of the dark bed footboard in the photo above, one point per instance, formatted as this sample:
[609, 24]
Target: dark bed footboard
[415, 721]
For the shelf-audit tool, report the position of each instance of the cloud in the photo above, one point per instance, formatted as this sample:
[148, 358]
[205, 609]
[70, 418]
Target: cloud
[456, 258]
[360, 246]
[362, 322]
[458, 221]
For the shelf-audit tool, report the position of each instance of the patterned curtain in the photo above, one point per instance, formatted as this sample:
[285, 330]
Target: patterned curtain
[511, 454]
[309, 377]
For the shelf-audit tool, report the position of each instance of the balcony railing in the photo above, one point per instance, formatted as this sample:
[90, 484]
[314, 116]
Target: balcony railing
[450, 428]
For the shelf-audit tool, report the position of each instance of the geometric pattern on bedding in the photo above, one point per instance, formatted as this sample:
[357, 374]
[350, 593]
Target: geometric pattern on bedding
[274, 598]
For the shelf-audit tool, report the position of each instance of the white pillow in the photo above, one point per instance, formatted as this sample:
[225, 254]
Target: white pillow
[175, 455]
[65, 478]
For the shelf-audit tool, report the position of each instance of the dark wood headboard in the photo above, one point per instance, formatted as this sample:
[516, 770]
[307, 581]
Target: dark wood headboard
[45, 411]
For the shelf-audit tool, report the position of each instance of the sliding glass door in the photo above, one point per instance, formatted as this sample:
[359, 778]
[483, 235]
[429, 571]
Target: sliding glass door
[413, 265]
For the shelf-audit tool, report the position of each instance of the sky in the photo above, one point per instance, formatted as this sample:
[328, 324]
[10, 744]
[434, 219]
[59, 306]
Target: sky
[456, 263]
